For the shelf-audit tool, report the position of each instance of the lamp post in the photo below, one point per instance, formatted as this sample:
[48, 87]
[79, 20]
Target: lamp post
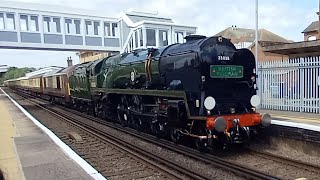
[319, 21]
[257, 39]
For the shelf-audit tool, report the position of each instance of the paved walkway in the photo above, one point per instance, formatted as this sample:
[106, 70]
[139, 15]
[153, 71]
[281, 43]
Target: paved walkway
[298, 117]
[9, 161]
[28, 153]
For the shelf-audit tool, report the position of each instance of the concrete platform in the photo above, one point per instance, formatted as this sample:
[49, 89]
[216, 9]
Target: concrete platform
[310, 121]
[29, 152]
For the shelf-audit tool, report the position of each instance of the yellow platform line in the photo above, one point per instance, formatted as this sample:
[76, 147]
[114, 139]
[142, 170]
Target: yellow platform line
[296, 117]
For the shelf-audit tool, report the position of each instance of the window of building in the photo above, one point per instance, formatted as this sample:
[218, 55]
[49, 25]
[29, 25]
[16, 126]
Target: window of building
[10, 25]
[115, 30]
[92, 28]
[24, 23]
[1, 21]
[163, 37]
[46, 24]
[312, 38]
[151, 37]
[107, 31]
[77, 25]
[130, 44]
[56, 25]
[189, 33]
[51, 25]
[111, 29]
[89, 28]
[34, 23]
[141, 36]
[72, 26]
[178, 36]
[67, 23]
[136, 40]
[29, 23]
[96, 28]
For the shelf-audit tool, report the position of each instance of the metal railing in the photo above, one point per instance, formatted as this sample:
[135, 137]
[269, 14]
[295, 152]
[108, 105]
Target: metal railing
[290, 85]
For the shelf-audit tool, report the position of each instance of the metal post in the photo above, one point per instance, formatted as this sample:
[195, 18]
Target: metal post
[319, 21]
[257, 39]
[256, 53]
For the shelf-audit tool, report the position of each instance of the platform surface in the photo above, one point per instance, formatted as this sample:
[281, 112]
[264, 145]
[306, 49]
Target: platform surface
[27, 152]
[295, 119]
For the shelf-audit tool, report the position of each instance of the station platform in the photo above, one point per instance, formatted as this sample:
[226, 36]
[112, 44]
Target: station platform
[29, 151]
[310, 121]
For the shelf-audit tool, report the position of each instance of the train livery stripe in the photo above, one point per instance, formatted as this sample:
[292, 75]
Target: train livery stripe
[69, 89]
[145, 92]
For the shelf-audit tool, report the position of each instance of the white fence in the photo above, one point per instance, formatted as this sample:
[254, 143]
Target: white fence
[291, 85]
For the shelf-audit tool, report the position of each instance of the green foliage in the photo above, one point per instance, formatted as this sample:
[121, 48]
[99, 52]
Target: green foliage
[14, 72]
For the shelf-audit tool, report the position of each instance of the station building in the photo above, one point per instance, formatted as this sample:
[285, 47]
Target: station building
[245, 38]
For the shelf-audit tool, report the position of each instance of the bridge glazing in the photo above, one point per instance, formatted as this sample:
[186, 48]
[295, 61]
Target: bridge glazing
[35, 26]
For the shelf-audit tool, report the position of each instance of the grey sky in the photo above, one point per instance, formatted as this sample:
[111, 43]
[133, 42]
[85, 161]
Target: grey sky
[287, 18]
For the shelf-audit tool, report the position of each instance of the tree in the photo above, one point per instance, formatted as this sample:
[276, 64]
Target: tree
[14, 72]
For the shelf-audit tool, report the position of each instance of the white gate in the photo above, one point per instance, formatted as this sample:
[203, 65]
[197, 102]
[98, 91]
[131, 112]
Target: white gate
[291, 85]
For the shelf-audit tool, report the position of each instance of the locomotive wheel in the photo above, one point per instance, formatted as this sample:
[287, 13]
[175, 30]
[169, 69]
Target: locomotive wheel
[155, 128]
[202, 144]
[175, 136]
[137, 124]
[123, 116]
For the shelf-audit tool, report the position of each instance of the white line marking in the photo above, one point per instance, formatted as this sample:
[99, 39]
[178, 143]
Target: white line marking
[297, 125]
[87, 167]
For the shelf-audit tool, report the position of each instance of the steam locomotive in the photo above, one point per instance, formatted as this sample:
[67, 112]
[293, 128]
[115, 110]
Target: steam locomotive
[204, 89]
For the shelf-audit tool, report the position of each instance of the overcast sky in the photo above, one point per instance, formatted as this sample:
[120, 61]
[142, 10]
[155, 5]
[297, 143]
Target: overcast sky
[287, 18]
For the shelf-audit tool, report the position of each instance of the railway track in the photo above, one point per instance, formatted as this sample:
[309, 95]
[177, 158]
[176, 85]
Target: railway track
[213, 161]
[125, 161]
[270, 164]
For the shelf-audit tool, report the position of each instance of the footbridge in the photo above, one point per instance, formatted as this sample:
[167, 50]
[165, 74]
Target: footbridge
[43, 27]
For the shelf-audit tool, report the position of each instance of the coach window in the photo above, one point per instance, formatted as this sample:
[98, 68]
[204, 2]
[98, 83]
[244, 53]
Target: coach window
[163, 37]
[58, 83]
[44, 82]
[151, 37]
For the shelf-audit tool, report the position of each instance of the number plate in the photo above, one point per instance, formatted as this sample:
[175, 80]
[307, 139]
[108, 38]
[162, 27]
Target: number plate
[225, 71]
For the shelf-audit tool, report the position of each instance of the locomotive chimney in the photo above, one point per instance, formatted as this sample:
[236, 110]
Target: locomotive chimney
[69, 61]
[194, 37]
